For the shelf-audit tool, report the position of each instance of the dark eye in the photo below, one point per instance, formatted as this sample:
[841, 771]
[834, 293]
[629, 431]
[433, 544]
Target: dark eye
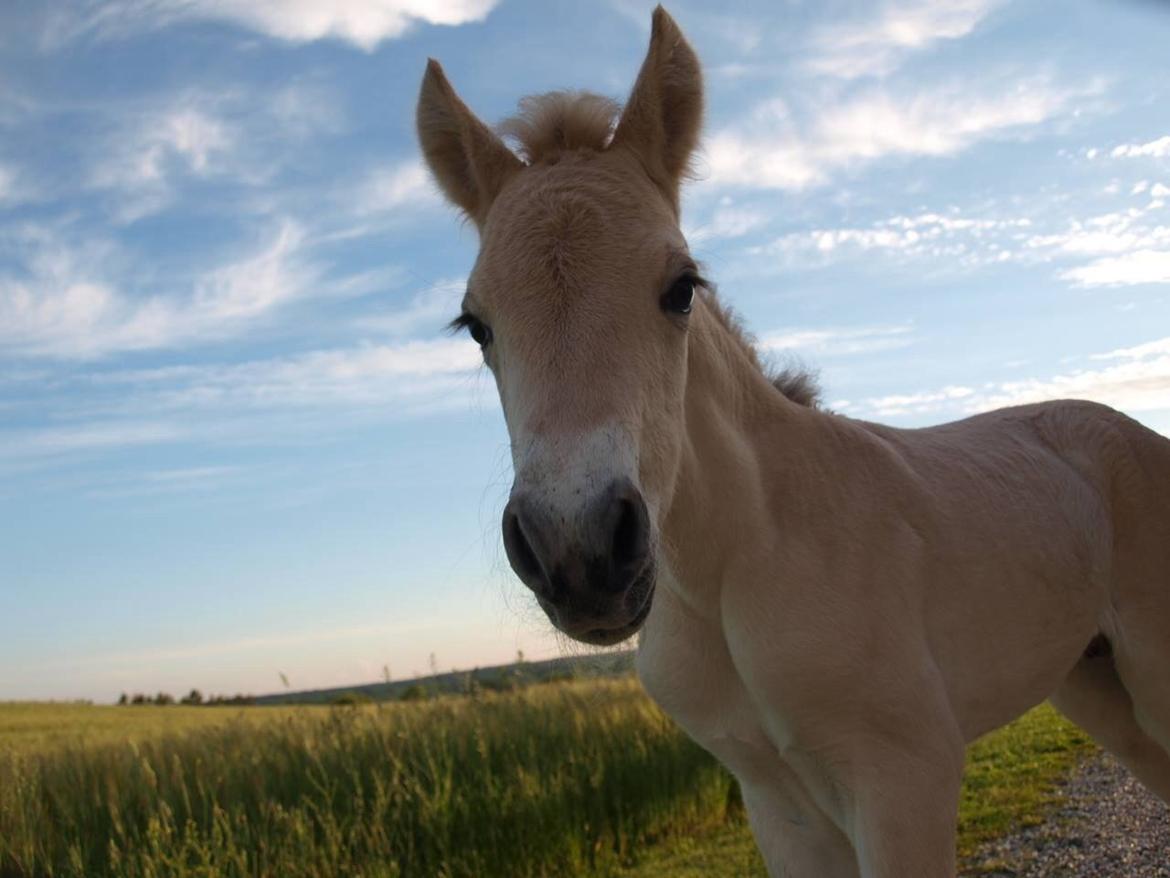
[681, 295]
[479, 331]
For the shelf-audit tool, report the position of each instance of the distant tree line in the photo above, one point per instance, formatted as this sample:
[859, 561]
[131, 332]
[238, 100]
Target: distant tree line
[478, 681]
[194, 697]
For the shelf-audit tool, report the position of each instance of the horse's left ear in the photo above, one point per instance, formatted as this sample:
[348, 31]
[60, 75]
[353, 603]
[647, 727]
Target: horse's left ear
[664, 114]
[469, 162]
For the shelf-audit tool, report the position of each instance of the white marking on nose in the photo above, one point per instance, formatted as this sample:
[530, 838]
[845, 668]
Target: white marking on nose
[564, 473]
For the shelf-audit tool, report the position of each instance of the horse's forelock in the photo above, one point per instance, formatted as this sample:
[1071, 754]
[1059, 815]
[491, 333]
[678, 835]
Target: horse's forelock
[561, 121]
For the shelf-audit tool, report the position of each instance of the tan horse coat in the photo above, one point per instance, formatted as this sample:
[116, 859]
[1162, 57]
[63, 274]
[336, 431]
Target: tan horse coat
[839, 606]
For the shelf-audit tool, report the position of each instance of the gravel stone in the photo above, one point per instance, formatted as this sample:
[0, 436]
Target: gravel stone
[1109, 826]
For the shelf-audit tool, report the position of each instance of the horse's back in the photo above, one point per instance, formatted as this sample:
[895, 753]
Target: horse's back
[1044, 525]
[1125, 465]
[1130, 465]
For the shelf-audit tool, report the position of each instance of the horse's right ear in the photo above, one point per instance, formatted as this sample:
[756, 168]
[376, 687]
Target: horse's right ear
[470, 163]
[664, 115]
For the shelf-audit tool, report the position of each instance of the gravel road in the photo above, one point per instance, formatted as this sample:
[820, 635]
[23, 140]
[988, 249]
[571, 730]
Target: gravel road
[1109, 827]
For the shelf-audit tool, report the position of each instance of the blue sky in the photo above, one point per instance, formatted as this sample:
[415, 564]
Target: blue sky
[234, 440]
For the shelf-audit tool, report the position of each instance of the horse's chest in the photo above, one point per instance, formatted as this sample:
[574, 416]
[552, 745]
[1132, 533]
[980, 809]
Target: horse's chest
[688, 671]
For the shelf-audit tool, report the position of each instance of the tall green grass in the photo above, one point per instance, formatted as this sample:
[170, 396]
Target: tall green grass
[567, 779]
[553, 780]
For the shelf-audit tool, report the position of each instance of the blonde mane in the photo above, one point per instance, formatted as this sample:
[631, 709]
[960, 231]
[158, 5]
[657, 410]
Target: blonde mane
[794, 381]
[561, 121]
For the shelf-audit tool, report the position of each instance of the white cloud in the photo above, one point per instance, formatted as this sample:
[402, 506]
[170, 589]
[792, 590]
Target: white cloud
[189, 135]
[253, 400]
[232, 402]
[949, 236]
[379, 200]
[838, 341]
[363, 23]
[1159, 148]
[922, 402]
[1157, 347]
[151, 153]
[1134, 268]
[52, 441]
[10, 189]
[1139, 381]
[254, 284]
[154, 483]
[727, 221]
[877, 46]
[1123, 247]
[62, 305]
[143, 158]
[775, 148]
[394, 187]
[1135, 379]
[431, 308]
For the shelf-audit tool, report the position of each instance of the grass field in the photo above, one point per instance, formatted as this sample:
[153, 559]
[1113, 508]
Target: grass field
[579, 778]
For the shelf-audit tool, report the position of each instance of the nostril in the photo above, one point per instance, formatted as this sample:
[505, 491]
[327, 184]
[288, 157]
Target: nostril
[631, 534]
[520, 552]
[628, 540]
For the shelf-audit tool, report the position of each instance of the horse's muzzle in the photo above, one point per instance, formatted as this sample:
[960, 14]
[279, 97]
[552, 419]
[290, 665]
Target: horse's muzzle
[592, 572]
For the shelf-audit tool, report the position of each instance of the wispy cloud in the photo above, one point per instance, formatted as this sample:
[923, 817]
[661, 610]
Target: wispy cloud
[878, 44]
[64, 305]
[249, 401]
[838, 341]
[728, 220]
[1132, 269]
[784, 146]
[1135, 379]
[362, 23]
[1159, 148]
[253, 285]
[188, 480]
[407, 371]
[97, 435]
[920, 402]
[141, 162]
[1123, 247]
[147, 154]
[429, 308]
[152, 656]
[949, 236]
[13, 189]
[393, 187]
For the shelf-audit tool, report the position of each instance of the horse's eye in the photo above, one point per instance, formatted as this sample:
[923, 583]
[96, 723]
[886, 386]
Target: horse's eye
[680, 296]
[479, 331]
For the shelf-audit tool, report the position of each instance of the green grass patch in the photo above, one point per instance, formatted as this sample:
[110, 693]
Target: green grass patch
[1013, 775]
[579, 778]
[558, 779]
[44, 728]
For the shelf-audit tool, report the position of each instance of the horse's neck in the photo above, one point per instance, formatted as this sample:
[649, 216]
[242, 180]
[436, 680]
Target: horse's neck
[739, 438]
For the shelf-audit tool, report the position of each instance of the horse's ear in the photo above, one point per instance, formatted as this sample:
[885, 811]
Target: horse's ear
[664, 114]
[470, 163]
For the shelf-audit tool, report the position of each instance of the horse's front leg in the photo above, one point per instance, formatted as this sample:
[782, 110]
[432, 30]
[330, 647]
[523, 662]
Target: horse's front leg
[906, 810]
[861, 714]
[891, 782]
[685, 665]
[796, 838]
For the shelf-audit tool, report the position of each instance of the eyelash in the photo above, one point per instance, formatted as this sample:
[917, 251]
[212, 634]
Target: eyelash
[479, 331]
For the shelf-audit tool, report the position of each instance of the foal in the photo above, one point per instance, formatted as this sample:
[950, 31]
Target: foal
[831, 607]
